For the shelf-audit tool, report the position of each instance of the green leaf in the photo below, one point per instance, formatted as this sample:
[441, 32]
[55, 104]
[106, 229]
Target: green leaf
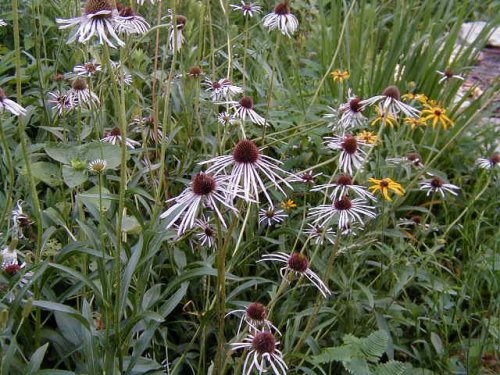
[61, 152]
[102, 150]
[375, 345]
[391, 368]
[90, 199]
[368, 294]
[336, 353]
[73, 177]
[46, 172]
[437, 343]
[54, 306]
[36, 360]
[357, 367]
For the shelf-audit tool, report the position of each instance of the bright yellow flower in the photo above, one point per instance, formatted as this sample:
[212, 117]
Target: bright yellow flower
[408, 97]
[384, 185]
[367, 137]
[437, 115]
[422, 98]
[339, 76]
[288, 204]
[415, 122]
[382, 117]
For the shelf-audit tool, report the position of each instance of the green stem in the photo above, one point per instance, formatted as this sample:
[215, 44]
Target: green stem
[12, 176]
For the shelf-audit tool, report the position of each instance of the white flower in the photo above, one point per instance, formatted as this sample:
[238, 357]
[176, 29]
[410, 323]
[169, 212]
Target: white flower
[492, 162]
[10, 105]
[141, 2]
[9, 257]
[98, 166]
[347, 211]
[262, 353]
[308, 177]
[448, 74]
[121, 73]
[130, 22]
[61, 101]
[205, 190]
[206, 233]
[115, 137]
[87, 69]
[19, 220]
[297, 264]
[176, 30]
[255, 315]
[343, 186]
[352, 155]
[352, 115]
[81, 95]
[391, 104]
[271, 216]
[146, 126]
[245, 166]
[413, 158]
[244, 108]
[2, 23]
[99, 18]
[225, 118]
[281, 19]
[247, 8]
[320, 234]
[437, 184]
[223, 89]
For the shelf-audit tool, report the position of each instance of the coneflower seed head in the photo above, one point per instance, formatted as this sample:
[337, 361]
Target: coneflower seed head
[246, 152]
[247, 102]
[350, 144]
[343, 203]
[94, 6]
[392, 92]
[282, 9]
[256, 311]
[344, 180]
[298, 262]
[264, 342]
[203, 184]
[79, 84]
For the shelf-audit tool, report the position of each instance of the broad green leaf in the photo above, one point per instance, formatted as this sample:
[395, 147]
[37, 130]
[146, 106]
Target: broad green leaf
[36, 360]
[437, 343]
[46, 172]
[73, 177]
[55, 306]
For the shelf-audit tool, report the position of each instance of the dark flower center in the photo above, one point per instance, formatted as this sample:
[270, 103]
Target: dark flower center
[91, 68]
[282, 9]
[298, 262]
[448, 73]
[438, 112]
[94, 6]
[384, 183]
[126, 11]
[209, 232]
[307, 177]
[344, 180]
[115, 132]
[392, 92]
[264, 342]
[195, 71]
[203, 184]
[246, 8]
[343, 204]
[414, 157]
[247, 102]
[270, 214]
[180, 21]
[79, 84]
[416, 219]
[256, 311]
[246, 152]
[216, 85]
[350, 144]
[495, 159]
[354, 105]
[12, 269]
[436, 182]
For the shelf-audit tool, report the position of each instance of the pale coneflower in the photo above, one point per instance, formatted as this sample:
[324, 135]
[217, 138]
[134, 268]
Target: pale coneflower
[492, 162]
[130, 22]
[270, 216]
[245, 166]
[347, 211]
[437, 185]
[141, 2]
[61, 101]
[81, 94]
[352, 114]
[223, 89]
[390, 103]
[448, 74]
[344, 185]
[319, 234]
[308, 178]
[297, 265]
[413, 158]
[121, 73]
[99, 19]
[10, 105]
[206, 233]
[205, 190]
[225, 118]
[282, 19]
[244, 108]
[176, 32]
[87, 69]
[97, 166]
[20, 220]
[114, 136]
[146, 126]
[255, 315]
[195, 71]
[262, 354]
[2, 23]
[352, 155]
[247, 8]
